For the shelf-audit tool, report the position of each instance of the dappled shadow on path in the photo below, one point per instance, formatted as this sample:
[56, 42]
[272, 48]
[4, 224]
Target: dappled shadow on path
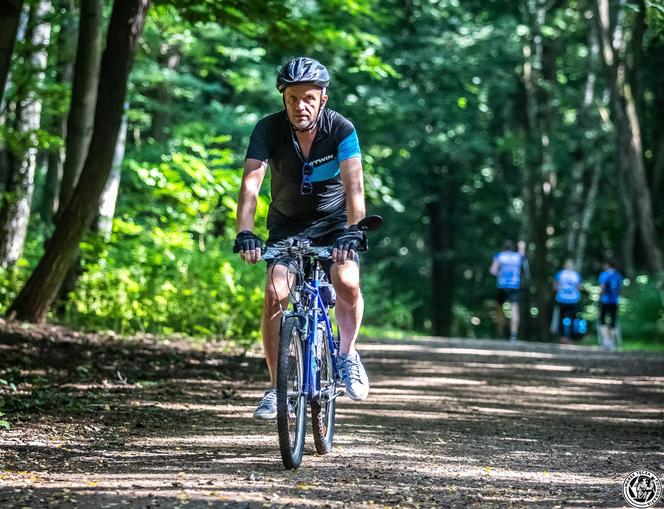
[449, 423]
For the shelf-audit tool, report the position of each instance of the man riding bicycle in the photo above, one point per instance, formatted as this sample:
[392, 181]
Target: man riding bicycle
[317, 192]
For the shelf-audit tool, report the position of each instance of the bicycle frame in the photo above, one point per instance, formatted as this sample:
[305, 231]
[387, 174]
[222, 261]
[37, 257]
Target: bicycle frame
[310, 315]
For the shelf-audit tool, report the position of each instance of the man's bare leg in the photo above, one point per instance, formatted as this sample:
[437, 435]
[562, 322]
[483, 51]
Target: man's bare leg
[350, 307]
[350, 304]
[500, 320]
[279, 280]
[514, 320]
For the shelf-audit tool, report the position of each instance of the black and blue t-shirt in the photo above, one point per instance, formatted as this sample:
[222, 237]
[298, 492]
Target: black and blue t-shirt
[610, 282]
[291, 212]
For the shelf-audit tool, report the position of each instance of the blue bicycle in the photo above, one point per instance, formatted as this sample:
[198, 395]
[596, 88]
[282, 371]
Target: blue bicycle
[307, 368]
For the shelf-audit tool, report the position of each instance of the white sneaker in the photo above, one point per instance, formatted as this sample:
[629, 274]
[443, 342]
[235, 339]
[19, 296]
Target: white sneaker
[608, 344]
[267, 408]
[354, 376]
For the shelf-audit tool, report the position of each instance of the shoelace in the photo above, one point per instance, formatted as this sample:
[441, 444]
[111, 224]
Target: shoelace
[269, 399]
[352, 367]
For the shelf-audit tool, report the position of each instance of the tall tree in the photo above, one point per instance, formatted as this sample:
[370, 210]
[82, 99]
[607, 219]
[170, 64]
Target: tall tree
[624, 111]
[126, 25]
[109, 196]
[10, 14]
[84, 95]
[538, 74]
[587, 159]
[55, 122]
[22, 152]
[442, 223]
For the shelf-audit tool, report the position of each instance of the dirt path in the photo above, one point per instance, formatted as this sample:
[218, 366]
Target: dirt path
[449, 423]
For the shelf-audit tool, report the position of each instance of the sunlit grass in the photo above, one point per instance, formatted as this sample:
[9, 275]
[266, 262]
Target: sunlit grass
[629, 345]
[374, 331]
[643, 346]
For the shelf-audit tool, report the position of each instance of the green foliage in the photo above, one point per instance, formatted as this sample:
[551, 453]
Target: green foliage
[4, 387]
[131, 287]
[168, 266]
[436, 91]
[395, 313]
[641, 311]
[641, 314]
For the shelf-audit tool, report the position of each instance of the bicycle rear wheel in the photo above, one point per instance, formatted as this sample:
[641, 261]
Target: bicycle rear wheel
[291, 402]
[322, 410]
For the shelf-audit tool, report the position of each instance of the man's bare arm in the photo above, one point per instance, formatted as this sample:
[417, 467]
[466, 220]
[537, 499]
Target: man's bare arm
[353, 180]
[252, 178]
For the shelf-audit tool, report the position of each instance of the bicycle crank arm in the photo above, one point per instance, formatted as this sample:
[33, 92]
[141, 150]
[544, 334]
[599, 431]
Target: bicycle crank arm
[327, 395]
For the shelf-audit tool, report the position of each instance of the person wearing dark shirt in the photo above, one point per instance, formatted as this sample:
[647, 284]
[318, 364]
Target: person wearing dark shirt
[610, 280]
[317, 192]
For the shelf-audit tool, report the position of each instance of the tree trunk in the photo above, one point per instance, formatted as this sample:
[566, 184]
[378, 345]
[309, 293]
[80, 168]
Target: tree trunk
[577, 208]
[57, 124]
[161, 118]
[658, 167]
[109, 196]
[589, 206]
[635, 57]
[629, 224]
[10, 14]
[575, 203]
[628, 130]
[624, 195]
[542, 172]
[126, 25]
[19, 187]
[441, 233]
[84, 95]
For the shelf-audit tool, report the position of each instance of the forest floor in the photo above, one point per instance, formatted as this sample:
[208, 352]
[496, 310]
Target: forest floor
[103, 422]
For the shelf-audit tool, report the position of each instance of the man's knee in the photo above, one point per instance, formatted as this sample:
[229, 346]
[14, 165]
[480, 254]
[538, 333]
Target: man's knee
[277, 286]
[348, 293]
[346, 282]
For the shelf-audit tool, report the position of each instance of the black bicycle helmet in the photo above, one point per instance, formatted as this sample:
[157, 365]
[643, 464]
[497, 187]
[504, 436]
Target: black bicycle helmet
[302, 70]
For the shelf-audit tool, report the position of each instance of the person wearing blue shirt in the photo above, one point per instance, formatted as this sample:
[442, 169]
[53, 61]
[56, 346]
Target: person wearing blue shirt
[610, 281]
[508, 266]
[566, 284]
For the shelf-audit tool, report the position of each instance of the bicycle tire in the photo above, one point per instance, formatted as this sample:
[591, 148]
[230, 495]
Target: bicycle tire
[291, 402]
[323, 412]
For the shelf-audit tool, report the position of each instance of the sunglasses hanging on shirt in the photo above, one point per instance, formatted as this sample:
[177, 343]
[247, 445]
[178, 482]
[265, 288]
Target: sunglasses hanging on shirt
[306, 187]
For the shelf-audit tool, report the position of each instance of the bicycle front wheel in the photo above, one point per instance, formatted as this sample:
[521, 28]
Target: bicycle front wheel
[291, 401]
[323, 409]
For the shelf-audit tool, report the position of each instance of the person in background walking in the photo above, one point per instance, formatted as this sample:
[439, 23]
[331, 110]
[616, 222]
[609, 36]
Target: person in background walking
[610, 281]
[507, 266]
[567, 284]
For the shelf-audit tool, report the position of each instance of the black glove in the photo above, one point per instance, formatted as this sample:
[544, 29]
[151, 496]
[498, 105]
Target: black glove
[246, 241]
[352, 239]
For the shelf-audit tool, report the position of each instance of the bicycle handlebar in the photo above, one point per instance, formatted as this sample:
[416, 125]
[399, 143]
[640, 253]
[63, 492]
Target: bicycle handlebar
[289, 248]
[298, 246]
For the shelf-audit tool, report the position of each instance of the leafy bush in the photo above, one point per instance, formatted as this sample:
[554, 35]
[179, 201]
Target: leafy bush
[381, 310]
[168, 266]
